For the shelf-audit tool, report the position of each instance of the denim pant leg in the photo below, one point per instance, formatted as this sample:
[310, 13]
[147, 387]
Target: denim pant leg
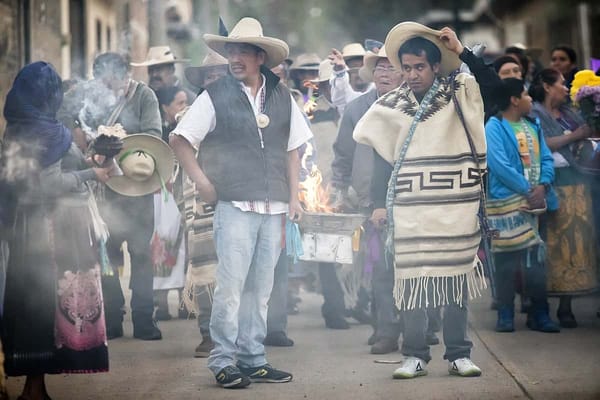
[454, 323]
[506, 264]
[257, 290]
[414, 343]
[277, 314]
[387, 321]
[235, 235]
[434, 319]
[204, 306]
[534, 273]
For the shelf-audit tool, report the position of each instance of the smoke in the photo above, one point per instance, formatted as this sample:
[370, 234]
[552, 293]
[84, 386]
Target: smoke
[96, 105]
[16, 165]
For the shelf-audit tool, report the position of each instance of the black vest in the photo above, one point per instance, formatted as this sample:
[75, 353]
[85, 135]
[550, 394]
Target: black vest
[232, 156]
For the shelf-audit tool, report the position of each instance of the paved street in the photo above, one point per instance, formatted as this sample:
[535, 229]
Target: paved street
[331, 364]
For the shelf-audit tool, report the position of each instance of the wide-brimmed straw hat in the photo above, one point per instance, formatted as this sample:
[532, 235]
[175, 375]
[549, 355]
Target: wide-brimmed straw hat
[408, 30]
[325, 72]
[249, 30]
[353, 50]
[159, 55]
[195, 75]
[306, 62]
[147, 163]
[370, 62]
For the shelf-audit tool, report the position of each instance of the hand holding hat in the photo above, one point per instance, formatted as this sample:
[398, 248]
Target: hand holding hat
[450, 40]
[147, 163]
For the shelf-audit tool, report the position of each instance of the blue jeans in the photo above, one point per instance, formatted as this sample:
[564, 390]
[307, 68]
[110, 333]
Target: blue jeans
[248, 247]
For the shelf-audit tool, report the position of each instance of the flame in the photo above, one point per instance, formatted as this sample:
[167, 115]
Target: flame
[312, 194]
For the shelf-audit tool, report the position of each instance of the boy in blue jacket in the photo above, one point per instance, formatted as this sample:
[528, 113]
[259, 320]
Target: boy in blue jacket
[521, 167]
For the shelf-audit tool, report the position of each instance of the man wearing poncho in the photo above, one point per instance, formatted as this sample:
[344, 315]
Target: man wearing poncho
[428, 137]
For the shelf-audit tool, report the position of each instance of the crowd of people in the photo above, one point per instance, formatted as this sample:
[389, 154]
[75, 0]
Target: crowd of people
[466, 173]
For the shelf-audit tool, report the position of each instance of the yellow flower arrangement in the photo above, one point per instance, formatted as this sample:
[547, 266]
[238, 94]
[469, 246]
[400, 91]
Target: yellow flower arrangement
[585, 92]
[583, 78]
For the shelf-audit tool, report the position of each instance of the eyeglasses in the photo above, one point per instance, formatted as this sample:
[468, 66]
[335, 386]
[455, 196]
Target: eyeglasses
[380, 68]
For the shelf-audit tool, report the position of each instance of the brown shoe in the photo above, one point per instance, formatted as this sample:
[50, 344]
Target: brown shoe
[384, 346]
[204, 348]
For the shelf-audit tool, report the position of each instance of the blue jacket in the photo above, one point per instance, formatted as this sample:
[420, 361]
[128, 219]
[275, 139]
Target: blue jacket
[506, 175]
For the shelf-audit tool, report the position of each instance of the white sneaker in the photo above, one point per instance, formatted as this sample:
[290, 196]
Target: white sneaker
[411, 368]
[463, 367]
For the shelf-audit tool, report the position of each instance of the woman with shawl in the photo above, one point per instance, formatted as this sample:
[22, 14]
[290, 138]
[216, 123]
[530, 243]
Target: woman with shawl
[53, 316]
[572, 257]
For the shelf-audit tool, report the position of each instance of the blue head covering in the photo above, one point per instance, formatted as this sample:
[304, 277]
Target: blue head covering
[30, 112]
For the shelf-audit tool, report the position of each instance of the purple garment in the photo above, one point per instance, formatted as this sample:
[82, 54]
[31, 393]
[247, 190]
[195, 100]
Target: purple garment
[374, 248]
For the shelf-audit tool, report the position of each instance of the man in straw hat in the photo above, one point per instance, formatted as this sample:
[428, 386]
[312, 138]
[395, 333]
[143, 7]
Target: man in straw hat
[161, 61]
[133, 106]
[213, 67]
[429, 143]
[304, 68]
[248, 130]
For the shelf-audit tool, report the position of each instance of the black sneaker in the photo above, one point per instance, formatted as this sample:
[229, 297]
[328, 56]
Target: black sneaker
[278, 339]
[267, 374]
[230, 377]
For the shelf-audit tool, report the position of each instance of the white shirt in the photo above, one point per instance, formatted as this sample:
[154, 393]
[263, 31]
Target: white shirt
[201, 119]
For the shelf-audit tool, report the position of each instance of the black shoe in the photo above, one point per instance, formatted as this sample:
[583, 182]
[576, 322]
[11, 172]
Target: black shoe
[566, 319]
[384, 346]
[204, 348]
[278, 339]
[113, 332]
[231, 377]
[162, 314]
[372, 339]
[266, 374]
[336, 323]
[147, 332]
[431, 339]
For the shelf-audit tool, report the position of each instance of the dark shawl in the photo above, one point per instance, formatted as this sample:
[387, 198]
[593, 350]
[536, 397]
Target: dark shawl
[30, 112]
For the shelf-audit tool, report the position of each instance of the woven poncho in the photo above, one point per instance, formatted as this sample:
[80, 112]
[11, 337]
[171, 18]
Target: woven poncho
[437, 190]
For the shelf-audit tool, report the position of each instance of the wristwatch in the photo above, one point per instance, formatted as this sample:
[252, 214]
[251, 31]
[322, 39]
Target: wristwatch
[547, 187]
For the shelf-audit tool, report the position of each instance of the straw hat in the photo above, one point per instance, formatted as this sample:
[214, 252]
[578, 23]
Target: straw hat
[147, 163]
[353, 50]
[195, 75]
[249, 30]
[370, 62]
[157, 56]
[408, 30]
[325, 72]
[306, 62]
